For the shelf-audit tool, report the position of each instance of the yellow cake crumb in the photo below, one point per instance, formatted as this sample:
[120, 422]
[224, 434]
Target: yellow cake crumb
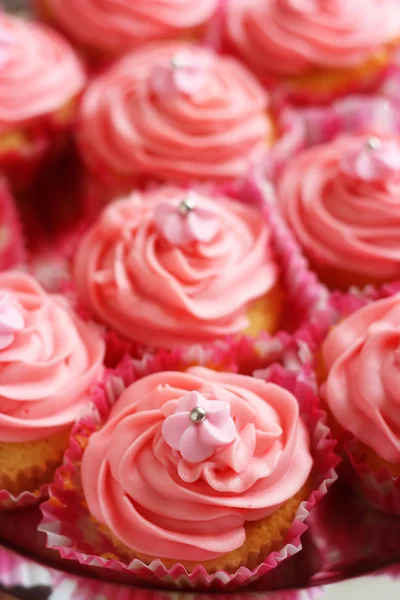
[25, 466]
[265, 313]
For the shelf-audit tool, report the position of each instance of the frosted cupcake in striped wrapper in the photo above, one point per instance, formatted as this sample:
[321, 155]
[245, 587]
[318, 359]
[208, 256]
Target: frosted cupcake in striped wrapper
[40, 80]
[194, 434]
[315, 50]
[342, 201]
[49, 360]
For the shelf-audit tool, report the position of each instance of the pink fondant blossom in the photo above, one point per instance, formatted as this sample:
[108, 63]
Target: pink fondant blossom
[374, 160]
[185, 73]
[198, 441]
[180, 228]
[11, 321]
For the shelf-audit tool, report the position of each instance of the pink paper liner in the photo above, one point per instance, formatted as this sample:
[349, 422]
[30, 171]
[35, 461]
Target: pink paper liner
[9, 501]
[12, 246]
[306, 298]
[65, 516]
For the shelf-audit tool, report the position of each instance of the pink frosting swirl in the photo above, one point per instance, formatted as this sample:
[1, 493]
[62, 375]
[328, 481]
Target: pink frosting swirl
[116, 26]
[161, 505]
[174, 111]
[39, 72]
[290, 37]
[153, 290]
[362, 358]
[342, 200]
[48, 366]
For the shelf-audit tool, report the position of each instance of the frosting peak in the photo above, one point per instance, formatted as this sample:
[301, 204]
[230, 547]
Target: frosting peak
[163, 277]
[374, 160]
[11, 320]
[162, 502]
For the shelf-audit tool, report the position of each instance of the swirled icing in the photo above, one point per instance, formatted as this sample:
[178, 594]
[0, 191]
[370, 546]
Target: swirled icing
[362, 358]
[154, 291]
[39, 72]
[116, 26]
[207, 121]
[291, 37]
[342, 200]
[159, 504]
[48, 366]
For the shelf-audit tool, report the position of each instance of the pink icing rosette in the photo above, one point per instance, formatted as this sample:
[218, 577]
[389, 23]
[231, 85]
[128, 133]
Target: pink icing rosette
[49, 360]
[198, 116]
[281, 38]
[305, 298]
[71, 530]
[40, 77]
[352, 222]
[113, 27]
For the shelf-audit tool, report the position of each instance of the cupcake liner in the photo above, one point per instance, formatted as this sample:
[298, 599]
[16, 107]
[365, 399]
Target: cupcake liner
[71, 530]
[306, 298]
[9, 501]
[12, 247]
[18, 572]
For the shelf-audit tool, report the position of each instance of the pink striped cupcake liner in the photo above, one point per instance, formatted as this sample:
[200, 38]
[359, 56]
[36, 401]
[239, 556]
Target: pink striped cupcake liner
[72, 531]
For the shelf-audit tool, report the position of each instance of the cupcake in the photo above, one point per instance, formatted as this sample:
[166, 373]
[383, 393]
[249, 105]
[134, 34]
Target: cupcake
[49, 360]
[176, 112]
[360, 369]
[40, 80]
[171, 267]
[200, 468]
[110, 28]
[342, 201]
[315, 49]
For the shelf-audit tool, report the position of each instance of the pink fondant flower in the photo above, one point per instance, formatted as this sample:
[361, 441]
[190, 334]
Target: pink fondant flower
[198, 427]
[373, 160]
[186, 222]
[185, 73]
[11, 320]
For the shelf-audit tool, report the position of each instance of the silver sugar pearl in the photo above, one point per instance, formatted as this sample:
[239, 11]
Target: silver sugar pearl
[373, 143]
[178, 61]
[198, 415]
[187, 205]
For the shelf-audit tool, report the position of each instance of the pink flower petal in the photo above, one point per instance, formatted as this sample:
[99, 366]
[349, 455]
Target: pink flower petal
[192, 449]
[174, 428]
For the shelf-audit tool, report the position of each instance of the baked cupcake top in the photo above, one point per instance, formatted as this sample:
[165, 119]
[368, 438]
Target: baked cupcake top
[39, 72]
[342, 200]
[171, 267]
[174, 111]
[210, 452]
[115, 26]
[291, 37]
[362, 359]
[48, 361]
